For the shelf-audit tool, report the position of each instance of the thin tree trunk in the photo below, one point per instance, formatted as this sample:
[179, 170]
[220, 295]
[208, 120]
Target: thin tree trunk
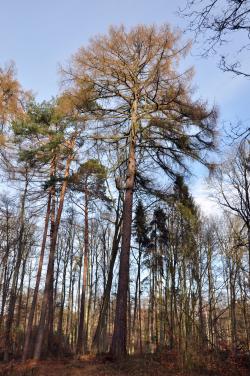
[98, 345]
[28, 298]
[38, 279]
[137, 299]
[13, 295]
[21, 293]
[49, 275]
[63, 295]
[5, 269]
[81, 345]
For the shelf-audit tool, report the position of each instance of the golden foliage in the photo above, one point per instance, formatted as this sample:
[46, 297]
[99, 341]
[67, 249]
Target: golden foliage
[12, 96]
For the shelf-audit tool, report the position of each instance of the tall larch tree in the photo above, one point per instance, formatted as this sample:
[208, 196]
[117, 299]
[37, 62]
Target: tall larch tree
[147, 108]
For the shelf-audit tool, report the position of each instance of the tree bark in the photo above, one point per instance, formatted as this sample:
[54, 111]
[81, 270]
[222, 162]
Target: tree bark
[81, 346]
[13, 295]
[98, 344]
[119, 339]
[49, 275]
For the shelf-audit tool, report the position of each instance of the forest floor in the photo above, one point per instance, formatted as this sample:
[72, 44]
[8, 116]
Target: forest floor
[151, 365]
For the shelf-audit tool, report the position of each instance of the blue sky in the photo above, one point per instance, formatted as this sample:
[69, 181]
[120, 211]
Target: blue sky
[39, 35]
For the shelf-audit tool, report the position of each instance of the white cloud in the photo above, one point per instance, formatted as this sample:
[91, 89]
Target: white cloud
[202, 196]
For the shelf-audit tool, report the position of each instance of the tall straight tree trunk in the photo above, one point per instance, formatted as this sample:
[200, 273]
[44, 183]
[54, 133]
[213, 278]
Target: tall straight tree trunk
[98, 340]
[202, 327]
[19, 311]
[90, 297]
[63, 295]
[4, 266]
[129, 321]
[232, 280]
[81, 345]
[119, 339]
[13, 292]
[172, 304]
[27, 298]
[139, 308]
[244, 299]
[137, 302]
[69, 309]
[50, 306]
[210, 296]
[49, 274]
[248, 240]
[26, 349]
[5, 289]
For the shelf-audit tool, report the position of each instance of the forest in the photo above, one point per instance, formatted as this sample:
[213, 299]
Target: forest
[108, 265]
